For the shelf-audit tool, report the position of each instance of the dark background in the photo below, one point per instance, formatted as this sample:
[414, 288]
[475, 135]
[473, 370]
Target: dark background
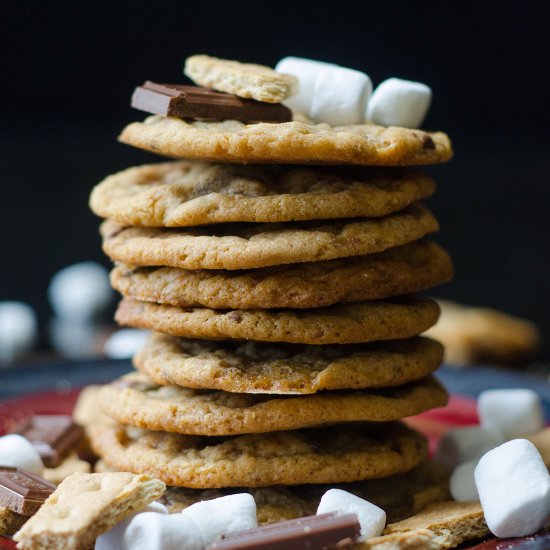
[68, 69]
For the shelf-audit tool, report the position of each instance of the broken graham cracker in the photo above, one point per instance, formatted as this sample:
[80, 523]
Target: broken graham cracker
[440, 525]
[10, 522]
[246, 80]
[84, 506]
[70, 465]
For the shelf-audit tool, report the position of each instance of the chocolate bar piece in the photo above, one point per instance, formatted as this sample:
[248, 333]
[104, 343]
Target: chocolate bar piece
[538, 541]
[52, 436]
[177, 100]
[23, 492]
[312, 533]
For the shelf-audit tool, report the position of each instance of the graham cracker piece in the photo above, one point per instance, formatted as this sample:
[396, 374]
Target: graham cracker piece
[10, 521]
[440, 525]
[247, 80]
[83, 507]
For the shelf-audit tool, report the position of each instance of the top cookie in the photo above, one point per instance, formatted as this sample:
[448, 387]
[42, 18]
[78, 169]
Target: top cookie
[242, 79]
[288, 142]
[178, 194]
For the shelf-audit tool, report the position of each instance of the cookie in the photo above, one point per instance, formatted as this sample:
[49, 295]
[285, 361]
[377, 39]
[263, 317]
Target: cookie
[399, 496]
[245, 246]
[402, 270]
[186, 193]
[134, 399]
[86, 405]
[254, 367]
[340, 324]
[475, 335]
[441, 525]
[83, 507]
[10, 522]
[288, 142]
[246, 80]
[316, 455]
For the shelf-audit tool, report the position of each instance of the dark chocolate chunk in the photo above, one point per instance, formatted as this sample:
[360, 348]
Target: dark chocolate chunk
[52, 436]
[23, 492]
[177, 100]
[312, 533]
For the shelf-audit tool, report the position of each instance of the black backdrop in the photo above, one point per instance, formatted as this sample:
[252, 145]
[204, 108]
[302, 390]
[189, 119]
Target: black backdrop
[68, 69]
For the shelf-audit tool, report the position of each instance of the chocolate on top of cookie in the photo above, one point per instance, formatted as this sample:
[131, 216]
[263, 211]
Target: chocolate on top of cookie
[195, 102]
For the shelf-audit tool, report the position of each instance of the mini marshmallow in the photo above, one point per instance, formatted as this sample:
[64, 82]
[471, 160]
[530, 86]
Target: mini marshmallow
[371, 518]
[81, 292]
[18, 330]
[397, 102]
[125, 343]
[154, 531]
[327, 92]
[462, 483]
[463, 444]
[114, 538]
[19, 452]
[510, 413]
[223, 515]
[75, 340]
[194, 529]
[514, 489]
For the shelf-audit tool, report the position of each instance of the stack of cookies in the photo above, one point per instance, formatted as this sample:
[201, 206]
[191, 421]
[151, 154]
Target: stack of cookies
[276, 267]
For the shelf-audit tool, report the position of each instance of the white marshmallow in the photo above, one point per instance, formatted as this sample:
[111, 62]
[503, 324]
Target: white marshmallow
[306, 71]
[80, 292]
[462, 483]
[125, 343]
[194, 529]
[19, 452]
[154, 531]
[75, 340]
[397, 102]
[223, 515]
[514, 489]
[18, 330]
[371, 518]
[114, 538]
[327, 92]
[463, 444]
[510, 413]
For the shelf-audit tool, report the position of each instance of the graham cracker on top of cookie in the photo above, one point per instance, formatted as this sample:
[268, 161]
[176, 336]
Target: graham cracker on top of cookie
[246, 80]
